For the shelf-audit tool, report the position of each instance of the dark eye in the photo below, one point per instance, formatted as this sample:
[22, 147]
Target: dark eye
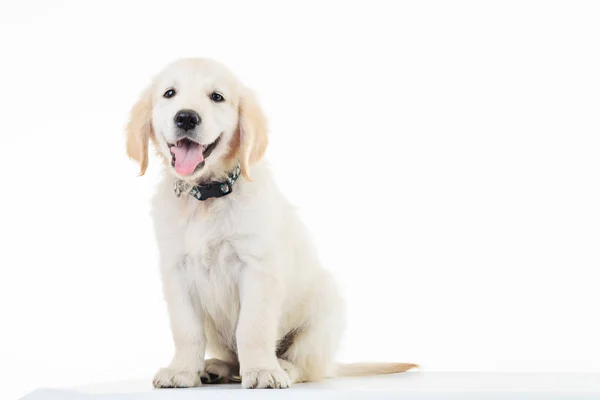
[217, 97]
[169, 93]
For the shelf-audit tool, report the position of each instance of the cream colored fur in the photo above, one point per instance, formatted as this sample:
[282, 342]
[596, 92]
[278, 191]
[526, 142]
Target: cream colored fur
[240, 275]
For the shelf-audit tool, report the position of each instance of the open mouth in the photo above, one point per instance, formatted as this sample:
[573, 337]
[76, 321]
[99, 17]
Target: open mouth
[189, 156]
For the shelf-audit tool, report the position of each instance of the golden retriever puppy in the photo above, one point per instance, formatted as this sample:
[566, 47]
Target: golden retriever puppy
[241, 278]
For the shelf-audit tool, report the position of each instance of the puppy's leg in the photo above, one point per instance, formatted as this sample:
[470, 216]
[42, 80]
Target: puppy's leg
[295, 373]
[311, 357]
[310, 354]
[261, 297]
[188, 335]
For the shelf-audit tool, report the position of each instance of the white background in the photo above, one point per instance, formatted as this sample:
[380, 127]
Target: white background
[445, 155]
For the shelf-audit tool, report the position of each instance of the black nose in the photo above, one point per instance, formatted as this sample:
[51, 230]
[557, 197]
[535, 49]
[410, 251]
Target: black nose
[187, 119]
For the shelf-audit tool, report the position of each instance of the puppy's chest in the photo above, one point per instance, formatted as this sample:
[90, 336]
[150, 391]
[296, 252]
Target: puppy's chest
[209, 244]
[212, 268]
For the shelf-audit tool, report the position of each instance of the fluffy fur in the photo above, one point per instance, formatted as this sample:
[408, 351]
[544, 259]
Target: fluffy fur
[241, 278]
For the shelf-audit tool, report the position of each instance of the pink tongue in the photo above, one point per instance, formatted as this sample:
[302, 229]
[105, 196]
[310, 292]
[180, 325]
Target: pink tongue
[187, 158]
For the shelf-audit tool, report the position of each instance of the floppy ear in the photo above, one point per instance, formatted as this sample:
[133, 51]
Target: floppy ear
[139, 130]
[253, 132]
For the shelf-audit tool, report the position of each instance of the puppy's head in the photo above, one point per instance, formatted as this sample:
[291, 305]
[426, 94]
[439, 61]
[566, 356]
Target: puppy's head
[201, 119]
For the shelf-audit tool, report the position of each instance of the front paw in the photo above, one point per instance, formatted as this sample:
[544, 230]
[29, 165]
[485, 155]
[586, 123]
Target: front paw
[265, 379]
[173, 378]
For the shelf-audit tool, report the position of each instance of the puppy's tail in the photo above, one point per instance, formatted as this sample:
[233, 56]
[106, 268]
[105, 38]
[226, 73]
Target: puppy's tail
[368, 369]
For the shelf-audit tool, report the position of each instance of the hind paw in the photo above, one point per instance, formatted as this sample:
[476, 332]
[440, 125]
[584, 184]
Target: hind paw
[218, 371]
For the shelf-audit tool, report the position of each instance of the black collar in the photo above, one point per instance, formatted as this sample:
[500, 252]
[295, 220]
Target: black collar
[209, 190]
